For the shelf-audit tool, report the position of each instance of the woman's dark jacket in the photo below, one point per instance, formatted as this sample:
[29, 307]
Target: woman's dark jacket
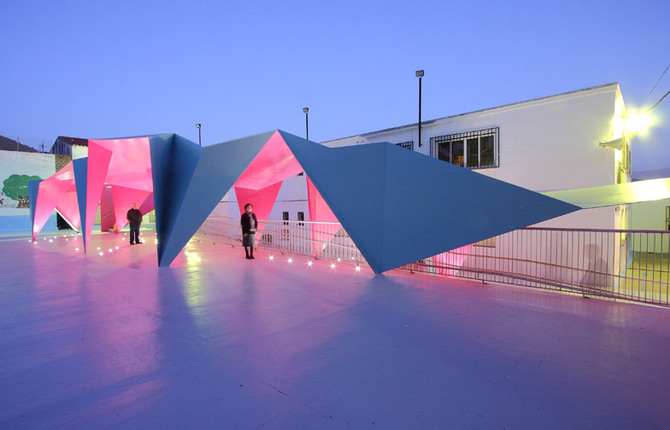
[246, 224]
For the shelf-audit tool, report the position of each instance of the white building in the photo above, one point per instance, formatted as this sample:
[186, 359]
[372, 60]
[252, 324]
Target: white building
[569, 140]
[546, 144]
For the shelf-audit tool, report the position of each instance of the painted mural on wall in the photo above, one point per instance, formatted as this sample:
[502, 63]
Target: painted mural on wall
[16, 169]
[14, 192]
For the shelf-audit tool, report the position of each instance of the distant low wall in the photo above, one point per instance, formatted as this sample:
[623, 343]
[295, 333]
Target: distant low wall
[16, 168]
[13, 220]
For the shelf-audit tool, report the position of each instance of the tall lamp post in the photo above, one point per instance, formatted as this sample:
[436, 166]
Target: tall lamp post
[419, 74]
[306, 110]
[198, 125]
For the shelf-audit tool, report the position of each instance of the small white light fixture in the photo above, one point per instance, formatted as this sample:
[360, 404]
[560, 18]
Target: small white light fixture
[102, 253]
[76, 249]
[272, 257]
[358, 268]
[332, 265]
[615, 143]
[290, 260]
[117, 247]
[339, 259]
[309, 263]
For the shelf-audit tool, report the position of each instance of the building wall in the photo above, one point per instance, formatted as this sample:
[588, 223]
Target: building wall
[20, 166]
[79, 151]
[651, 216]
[544, 145]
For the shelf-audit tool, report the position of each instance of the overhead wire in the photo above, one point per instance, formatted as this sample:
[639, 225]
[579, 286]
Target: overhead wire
[656, 104]
[653, 88]
[656, 84]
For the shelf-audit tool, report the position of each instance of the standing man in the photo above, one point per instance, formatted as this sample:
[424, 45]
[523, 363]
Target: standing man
[134, 217]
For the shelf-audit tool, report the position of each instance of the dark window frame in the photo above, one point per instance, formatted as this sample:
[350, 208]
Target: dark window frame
[442, 147]
[407, 145]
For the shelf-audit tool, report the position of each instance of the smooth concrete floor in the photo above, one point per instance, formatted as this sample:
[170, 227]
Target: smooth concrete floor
[218, 341]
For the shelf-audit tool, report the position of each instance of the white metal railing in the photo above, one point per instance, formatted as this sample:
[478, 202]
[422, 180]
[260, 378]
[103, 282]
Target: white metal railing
[622, 264]
[322, 240]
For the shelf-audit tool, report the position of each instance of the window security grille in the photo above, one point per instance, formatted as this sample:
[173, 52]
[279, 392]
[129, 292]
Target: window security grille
[473, 149]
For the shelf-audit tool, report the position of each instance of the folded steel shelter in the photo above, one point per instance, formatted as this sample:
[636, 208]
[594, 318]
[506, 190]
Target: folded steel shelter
[397, 206]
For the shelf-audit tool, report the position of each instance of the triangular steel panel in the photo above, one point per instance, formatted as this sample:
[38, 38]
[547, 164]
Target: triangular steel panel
[352, 181]
[80, 169]
[212, 173]
[432, 206]
[33, 189]
[399, 206]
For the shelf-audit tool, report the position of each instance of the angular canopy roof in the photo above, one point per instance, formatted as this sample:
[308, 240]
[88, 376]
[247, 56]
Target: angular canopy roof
[398, 206]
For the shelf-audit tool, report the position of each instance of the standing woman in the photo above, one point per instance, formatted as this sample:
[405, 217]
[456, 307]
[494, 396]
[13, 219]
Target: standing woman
[249, 224]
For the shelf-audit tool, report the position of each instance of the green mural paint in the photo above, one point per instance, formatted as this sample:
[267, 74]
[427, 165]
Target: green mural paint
[16, 187]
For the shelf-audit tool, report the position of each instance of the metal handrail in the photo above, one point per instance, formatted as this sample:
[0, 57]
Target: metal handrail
[610, 263]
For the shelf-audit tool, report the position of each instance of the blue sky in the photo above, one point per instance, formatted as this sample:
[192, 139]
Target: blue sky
[95, 69]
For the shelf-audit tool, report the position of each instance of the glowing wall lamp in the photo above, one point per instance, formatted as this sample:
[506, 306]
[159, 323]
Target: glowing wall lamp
[637, 122]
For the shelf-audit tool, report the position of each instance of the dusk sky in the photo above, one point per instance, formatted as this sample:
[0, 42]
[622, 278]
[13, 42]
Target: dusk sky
[97, 70]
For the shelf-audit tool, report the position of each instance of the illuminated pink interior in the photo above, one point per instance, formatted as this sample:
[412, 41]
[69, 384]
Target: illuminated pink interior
[57, 192]
[125, 166]
[274, 163]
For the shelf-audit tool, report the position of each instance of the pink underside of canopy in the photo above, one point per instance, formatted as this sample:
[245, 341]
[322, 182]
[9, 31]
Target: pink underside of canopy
[319, 211]
[147, 205]
[274, 163]
[57, 192]
[98, 164]
[68, 207]
[106, 210]
[263, 200]
[125, 163]
[124, 198]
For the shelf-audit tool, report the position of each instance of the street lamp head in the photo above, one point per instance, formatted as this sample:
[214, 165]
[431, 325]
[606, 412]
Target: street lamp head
[305, 109]
[197, 125]
[419, 73]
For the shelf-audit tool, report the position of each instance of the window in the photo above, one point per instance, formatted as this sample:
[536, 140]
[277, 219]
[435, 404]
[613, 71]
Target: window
[284, 230]
[667, 217]
[407, 145]
[473, 149]
[301, 217]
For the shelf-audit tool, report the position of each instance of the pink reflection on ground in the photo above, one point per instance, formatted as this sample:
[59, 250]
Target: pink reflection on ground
[113, 341]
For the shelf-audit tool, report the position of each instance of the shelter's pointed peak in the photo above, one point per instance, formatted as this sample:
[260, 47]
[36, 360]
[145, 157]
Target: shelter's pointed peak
[266, 135]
